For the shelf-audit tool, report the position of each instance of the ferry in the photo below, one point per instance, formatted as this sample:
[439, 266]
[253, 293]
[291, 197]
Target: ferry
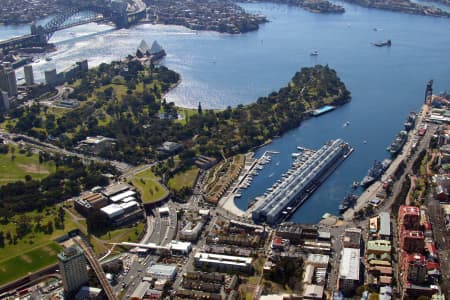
[314, 53]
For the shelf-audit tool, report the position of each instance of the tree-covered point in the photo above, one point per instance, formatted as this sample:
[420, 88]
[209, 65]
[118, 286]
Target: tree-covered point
[70, 178]
[123, 100]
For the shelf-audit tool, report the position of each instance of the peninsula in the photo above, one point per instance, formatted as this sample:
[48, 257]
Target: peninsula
[221, 16]
[124, 102]
[403, 6]
[315, 6]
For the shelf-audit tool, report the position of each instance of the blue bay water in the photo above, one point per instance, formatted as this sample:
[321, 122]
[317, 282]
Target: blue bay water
[220, 70]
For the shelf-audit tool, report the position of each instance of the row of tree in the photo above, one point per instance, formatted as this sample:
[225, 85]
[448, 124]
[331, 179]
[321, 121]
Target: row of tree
[70, 178]
[141, 120]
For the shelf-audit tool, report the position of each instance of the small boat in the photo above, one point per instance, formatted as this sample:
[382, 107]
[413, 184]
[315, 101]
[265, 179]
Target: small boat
[271, 174]
[314, 53]
[346, 124]
[277, 164]
[48, 58]
[387, 43]
[355, 184]
[364, 142]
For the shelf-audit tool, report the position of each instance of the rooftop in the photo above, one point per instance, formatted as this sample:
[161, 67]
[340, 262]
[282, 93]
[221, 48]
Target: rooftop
[349, 267]
[165, 270]
[70, 252]
[141, 290]
[385, 224]
[317, 259]
[379, 245]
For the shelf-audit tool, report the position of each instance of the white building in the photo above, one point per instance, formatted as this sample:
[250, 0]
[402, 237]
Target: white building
[122, 196]
[349, 270]
[178, 247]
[318, 260]
[223, 262]
[113, 210]
[191, 232]
[72, 265]
[160, 271]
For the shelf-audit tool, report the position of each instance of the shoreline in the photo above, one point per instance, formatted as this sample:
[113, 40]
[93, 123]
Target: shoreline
[372, 191]
[228, 203]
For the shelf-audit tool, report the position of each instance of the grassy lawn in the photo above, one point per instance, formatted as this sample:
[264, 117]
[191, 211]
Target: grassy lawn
[149, 187]
[184, 179]
[14, 170]
[27, 262]
[34, 238]
[126, 234]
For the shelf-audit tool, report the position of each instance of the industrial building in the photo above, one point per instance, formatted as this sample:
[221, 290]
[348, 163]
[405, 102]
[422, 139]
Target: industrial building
[90, 202]
[140, 291]
[349, 270]
[385, 226]
[318, 260]
[120, 214]
[223, 262]
[160, 271]
[72, 265]
[299, 185]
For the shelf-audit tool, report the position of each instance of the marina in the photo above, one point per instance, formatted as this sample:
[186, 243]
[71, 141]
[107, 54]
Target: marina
[297, 184]
[377, 101]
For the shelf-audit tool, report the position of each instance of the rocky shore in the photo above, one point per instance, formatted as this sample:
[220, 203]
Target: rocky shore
[403, 6]
[315, 6]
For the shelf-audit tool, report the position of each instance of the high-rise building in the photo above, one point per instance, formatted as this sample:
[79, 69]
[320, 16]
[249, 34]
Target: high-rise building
[29, 77]
[4, 101]
[3, 79]
[51, 77]
[12, 83]
[8, 80]
[72, 264]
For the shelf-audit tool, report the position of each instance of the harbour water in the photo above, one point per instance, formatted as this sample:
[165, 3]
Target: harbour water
[221, 70]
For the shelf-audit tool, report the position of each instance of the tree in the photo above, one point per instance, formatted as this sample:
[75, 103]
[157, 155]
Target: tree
[2, 239]
[49, 229]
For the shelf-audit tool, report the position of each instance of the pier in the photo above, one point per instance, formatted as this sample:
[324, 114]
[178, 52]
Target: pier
[301, 182]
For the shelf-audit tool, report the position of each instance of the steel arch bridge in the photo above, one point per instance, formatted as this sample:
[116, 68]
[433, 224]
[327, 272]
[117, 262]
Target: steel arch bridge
[75, 16]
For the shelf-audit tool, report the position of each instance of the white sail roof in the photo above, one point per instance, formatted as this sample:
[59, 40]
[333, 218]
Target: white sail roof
[156, 48]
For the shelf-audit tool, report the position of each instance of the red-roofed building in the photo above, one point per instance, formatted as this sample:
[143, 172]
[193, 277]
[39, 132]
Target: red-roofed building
[409, 217]
[433, 266]
[278, 243]
[412, 241]
[415, 268]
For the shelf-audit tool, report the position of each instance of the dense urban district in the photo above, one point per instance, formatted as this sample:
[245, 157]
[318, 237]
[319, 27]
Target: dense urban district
[221, 16]
[109, 191]
[98, 169]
